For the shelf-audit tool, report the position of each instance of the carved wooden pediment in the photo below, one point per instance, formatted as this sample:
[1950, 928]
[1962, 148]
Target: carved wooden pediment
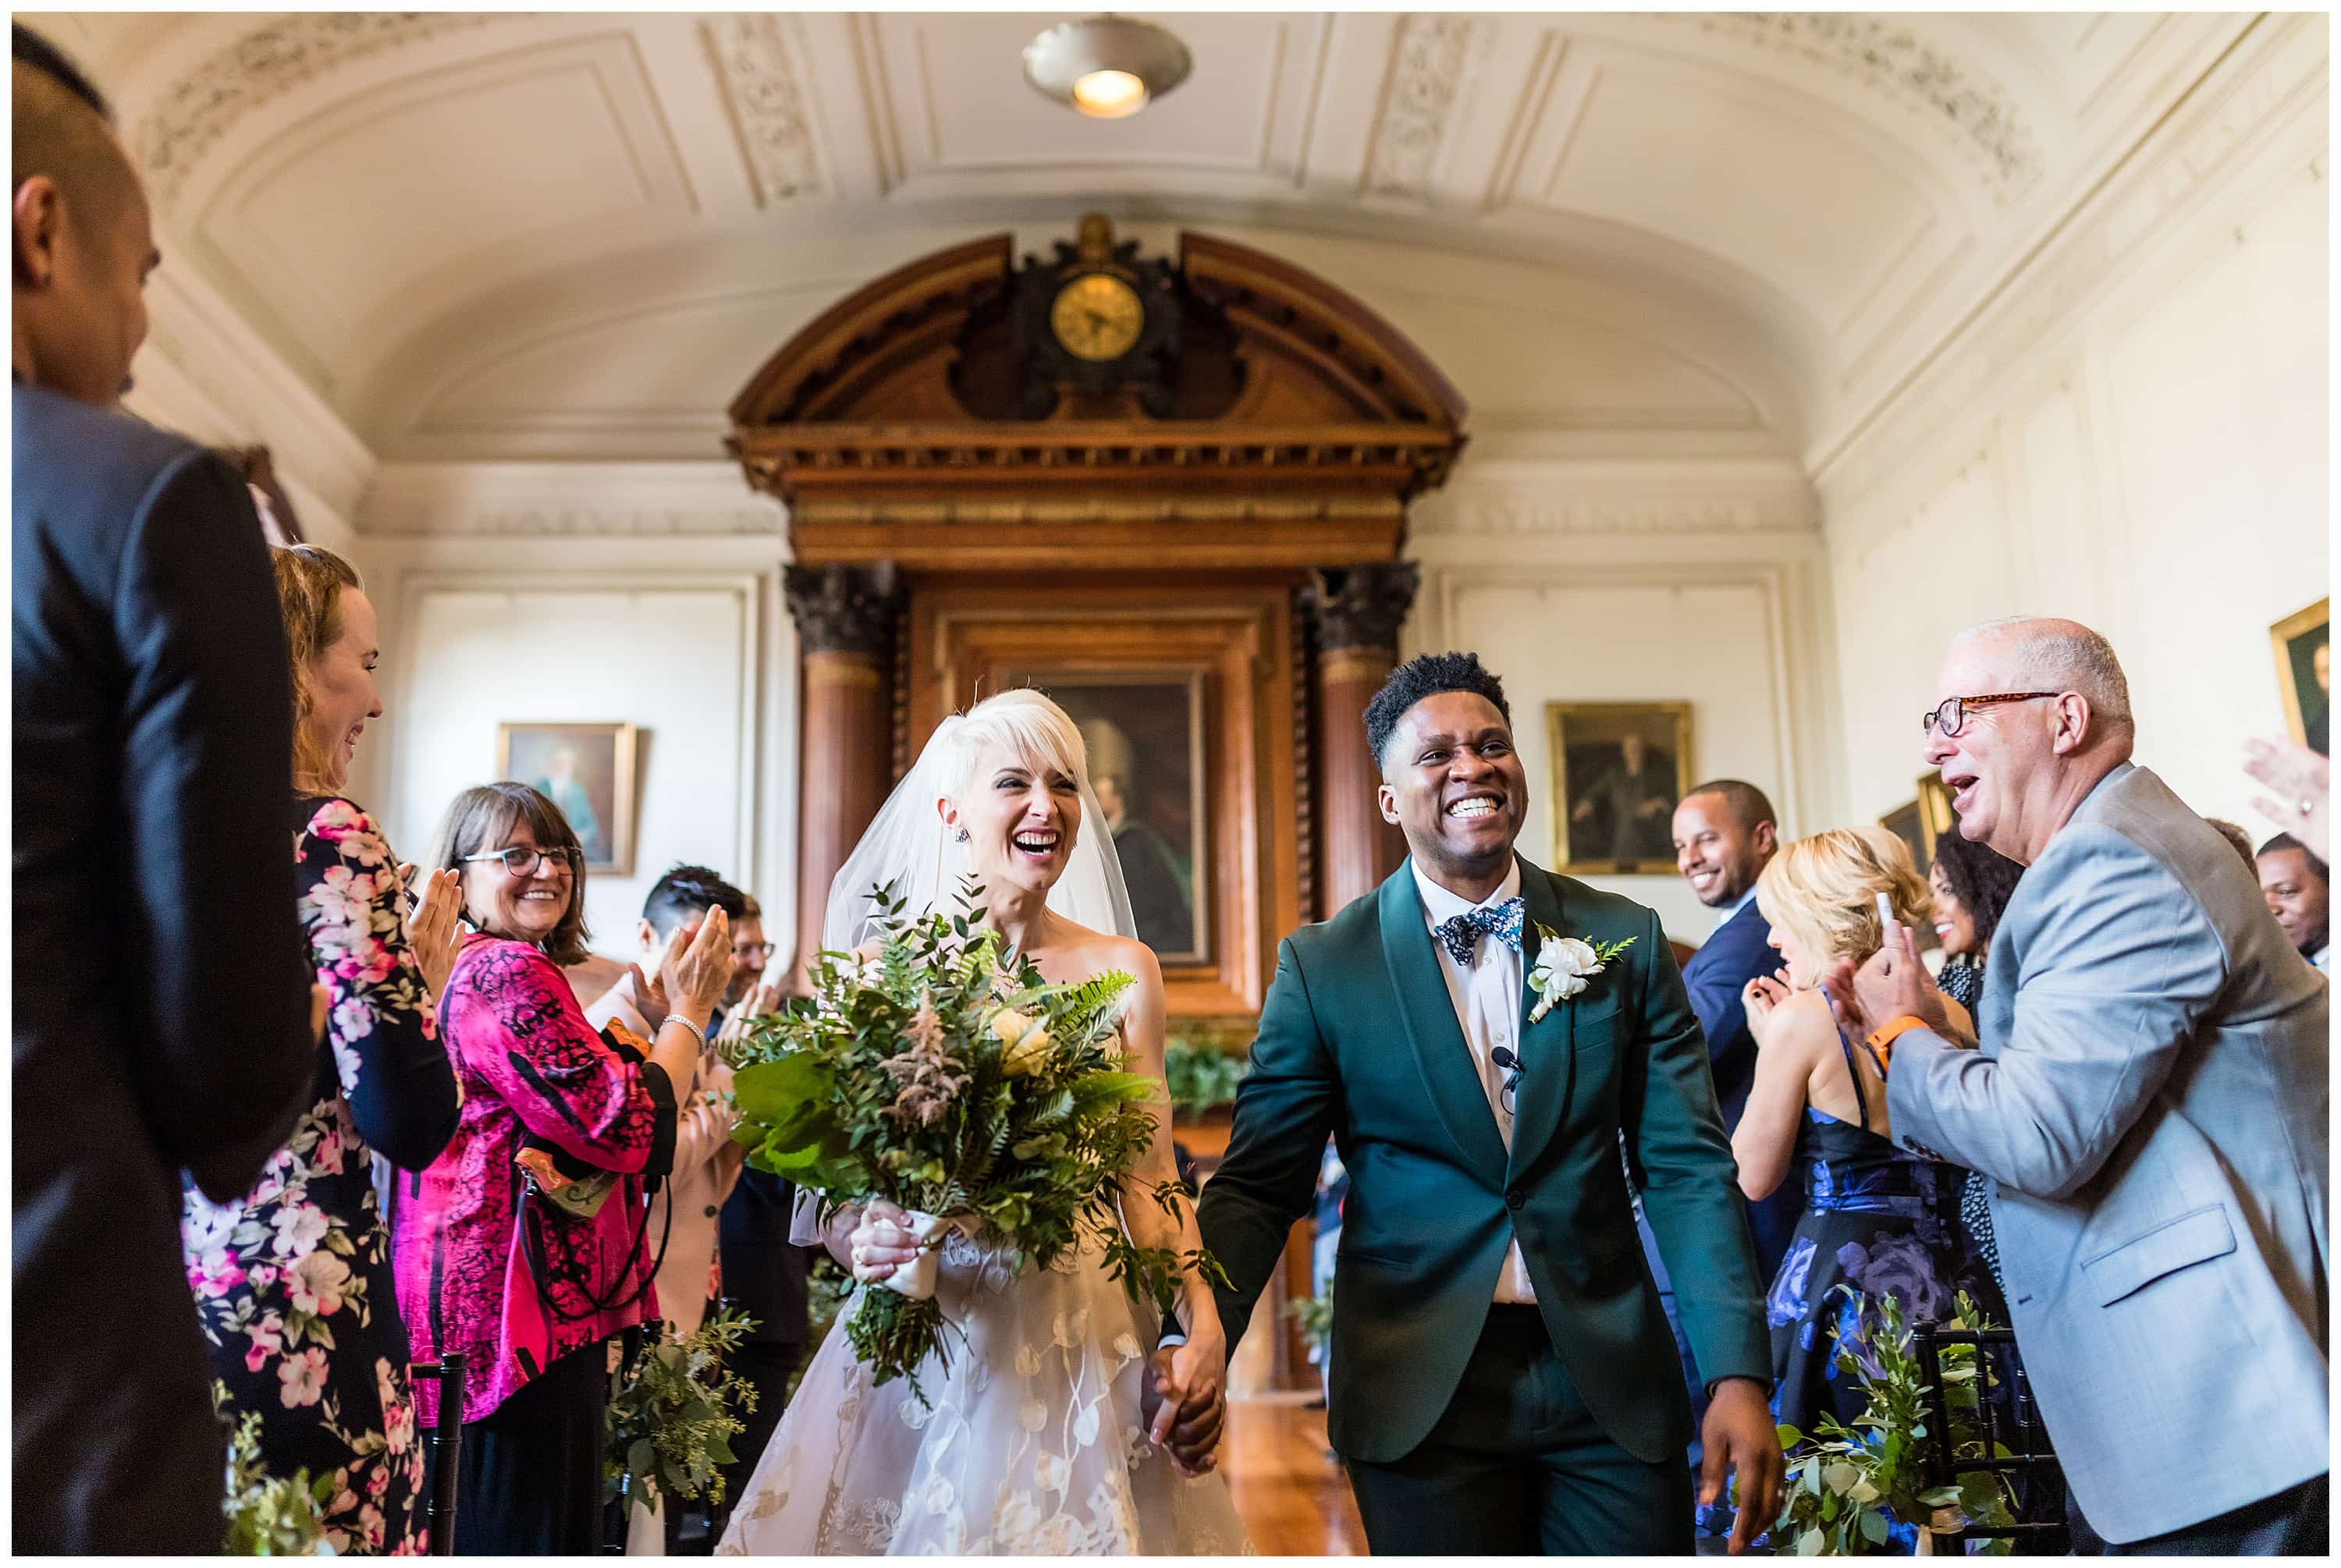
[1229, 411]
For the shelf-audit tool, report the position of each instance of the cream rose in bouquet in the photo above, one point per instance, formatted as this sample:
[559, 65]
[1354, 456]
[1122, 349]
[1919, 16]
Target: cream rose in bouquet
[942, 1075]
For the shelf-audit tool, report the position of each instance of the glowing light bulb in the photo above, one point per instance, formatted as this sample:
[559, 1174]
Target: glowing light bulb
[1109, 95]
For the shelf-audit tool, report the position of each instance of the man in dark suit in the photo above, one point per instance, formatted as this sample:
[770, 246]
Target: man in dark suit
[1503, 1382]
[763, 1273]
[1723, 836]
[161, 1014]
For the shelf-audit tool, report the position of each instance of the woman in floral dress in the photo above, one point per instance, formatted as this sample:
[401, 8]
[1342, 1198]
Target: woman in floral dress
[1876, 1218]
[292, 1284]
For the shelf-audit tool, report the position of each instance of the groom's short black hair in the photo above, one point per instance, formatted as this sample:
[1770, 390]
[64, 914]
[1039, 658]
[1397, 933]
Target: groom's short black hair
[1428, 675]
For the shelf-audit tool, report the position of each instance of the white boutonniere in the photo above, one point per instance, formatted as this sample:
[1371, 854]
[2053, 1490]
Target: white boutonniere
[1566, 965]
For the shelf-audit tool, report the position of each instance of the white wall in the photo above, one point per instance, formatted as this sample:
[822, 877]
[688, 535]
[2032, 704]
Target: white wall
[684, 638]
[2136, 436]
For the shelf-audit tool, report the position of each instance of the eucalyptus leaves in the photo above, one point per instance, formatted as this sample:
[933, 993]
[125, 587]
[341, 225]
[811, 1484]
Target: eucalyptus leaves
[943, 1075]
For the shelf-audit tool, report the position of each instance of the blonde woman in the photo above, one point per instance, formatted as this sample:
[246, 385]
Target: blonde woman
[1041, 1438]
[1876, 1218]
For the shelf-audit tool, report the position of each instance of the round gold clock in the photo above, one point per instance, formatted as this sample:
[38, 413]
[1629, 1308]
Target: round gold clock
[1097, 317]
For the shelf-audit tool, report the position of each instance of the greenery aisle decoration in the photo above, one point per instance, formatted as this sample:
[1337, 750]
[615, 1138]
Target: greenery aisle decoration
[943, 1075]
[1313, 1316]
[1847, 1489]
[268, 1517]
[1203, 1077]
[674, 1412]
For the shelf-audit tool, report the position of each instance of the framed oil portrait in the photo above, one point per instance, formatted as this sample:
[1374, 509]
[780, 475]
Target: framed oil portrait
[1143, 732]
[1918, 824]
[2304, 672]
[587, 770]
[1617, 769]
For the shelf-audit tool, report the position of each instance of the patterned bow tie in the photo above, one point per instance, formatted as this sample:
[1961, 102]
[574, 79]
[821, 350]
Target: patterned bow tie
[1461, 935]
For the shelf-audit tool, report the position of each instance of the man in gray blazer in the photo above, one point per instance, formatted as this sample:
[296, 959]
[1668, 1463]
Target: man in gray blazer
[2149, 1103]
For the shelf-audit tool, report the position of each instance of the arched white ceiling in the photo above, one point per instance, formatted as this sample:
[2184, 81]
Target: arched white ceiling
[526, 235]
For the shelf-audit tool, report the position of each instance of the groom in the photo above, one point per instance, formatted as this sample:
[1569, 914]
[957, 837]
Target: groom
[1503, 1379]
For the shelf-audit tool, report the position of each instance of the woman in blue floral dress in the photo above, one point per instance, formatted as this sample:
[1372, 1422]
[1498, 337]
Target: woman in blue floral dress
[1877, 1219]
[292, 1284]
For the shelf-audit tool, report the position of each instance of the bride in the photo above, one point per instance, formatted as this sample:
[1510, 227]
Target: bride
[1040, 1439]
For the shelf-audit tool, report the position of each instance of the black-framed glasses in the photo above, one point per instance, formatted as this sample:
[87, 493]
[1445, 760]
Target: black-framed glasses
[521, 860]
[1505, 1059]
[1950, 715]
[762, 950]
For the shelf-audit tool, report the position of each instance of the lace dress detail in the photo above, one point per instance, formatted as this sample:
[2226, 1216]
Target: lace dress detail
[1033, 1445]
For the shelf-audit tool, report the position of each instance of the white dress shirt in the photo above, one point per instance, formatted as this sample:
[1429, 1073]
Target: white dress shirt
[1488, 994]
[1725, 917]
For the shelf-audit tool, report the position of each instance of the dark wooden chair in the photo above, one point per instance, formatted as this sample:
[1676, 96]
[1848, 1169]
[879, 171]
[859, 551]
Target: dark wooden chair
[446, 1448]
[2010, 1418]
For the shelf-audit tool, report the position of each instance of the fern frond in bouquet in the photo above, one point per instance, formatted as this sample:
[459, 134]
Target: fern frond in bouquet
[943, 1074]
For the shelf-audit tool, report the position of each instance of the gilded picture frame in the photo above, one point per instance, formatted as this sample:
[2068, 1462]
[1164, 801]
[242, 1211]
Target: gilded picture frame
[588, 772]
[1617, 771]
[2303, 673]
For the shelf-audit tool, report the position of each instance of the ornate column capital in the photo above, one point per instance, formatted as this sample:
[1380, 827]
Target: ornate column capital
[844, 609]
[1363, 607]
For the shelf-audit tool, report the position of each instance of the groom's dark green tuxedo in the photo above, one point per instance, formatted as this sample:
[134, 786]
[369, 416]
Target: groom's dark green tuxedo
[1359, 1039]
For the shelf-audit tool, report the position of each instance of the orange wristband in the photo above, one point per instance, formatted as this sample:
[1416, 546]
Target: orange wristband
[1881, 1040]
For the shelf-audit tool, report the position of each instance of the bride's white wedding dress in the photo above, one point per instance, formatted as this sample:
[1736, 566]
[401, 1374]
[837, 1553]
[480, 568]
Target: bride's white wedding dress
[1034, 1445]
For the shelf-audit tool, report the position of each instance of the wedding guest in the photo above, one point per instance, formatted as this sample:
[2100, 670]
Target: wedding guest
[2239, 841]
[2150, 1102]
[525, 1243]
[1875, 1218]
[686, 1209]
[1724, 834]
[161, 1020]
[292, 1281]
[763, 1271]
[2298, 888]
[1972, 884]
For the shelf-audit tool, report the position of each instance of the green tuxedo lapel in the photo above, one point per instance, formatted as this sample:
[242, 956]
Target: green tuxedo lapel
[1448, 1070]
[1546, 1048]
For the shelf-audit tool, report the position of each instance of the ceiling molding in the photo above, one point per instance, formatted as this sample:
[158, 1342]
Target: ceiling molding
[1426, 77]
[756, 69]
[197, 109]
[577, 500]
[1886, 55]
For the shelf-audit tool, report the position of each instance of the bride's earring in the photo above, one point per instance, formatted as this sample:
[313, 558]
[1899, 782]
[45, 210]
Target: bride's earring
[960, 837]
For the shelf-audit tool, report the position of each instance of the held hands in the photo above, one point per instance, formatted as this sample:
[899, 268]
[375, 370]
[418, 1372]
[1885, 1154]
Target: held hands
[435, 926]
[1892, 984]
[1183, 1403]
[1739, 1436]
[1757, 998]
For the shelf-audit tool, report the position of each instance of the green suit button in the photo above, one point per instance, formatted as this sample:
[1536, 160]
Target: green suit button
[1516, 1199]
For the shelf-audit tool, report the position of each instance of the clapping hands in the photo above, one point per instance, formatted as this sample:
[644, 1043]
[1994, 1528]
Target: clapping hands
[435, 925]
[1757, 998]
[1893, 984]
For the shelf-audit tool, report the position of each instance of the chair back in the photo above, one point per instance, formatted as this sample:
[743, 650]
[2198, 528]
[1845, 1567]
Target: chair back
[447, 1447]
[2008, 1417]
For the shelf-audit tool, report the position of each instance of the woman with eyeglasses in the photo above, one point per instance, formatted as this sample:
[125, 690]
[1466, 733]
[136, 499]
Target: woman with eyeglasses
[1876, 1218]
[526, 1245]
[292, 1282]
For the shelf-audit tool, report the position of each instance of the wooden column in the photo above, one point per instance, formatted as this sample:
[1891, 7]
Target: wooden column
[1357, 611]
[845, 635]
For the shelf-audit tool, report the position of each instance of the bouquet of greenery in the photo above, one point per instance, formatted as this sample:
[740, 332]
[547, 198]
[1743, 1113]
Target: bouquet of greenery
[942, 1075]
[672, 1414]
[1847, 1488]
[268, 1517]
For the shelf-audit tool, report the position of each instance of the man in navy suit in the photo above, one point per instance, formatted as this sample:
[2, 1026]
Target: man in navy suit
[1723, 836]
[162, 1011]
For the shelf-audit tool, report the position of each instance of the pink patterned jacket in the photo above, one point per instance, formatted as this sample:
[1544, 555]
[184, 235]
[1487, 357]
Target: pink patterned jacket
[531, 1067]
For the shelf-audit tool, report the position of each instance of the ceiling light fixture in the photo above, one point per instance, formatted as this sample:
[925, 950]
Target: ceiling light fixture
[1107, 67]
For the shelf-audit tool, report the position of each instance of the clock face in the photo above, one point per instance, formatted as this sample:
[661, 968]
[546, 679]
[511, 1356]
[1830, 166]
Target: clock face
[1097, 317]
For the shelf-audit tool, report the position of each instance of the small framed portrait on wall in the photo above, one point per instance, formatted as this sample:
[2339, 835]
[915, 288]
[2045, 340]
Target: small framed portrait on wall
[1617, 769]
[2303, 673]
[588, 772]
[1144, 732]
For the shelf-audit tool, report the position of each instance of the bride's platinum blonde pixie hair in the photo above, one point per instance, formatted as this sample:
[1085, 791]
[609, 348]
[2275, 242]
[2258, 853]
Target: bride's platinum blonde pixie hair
[1026, 725]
